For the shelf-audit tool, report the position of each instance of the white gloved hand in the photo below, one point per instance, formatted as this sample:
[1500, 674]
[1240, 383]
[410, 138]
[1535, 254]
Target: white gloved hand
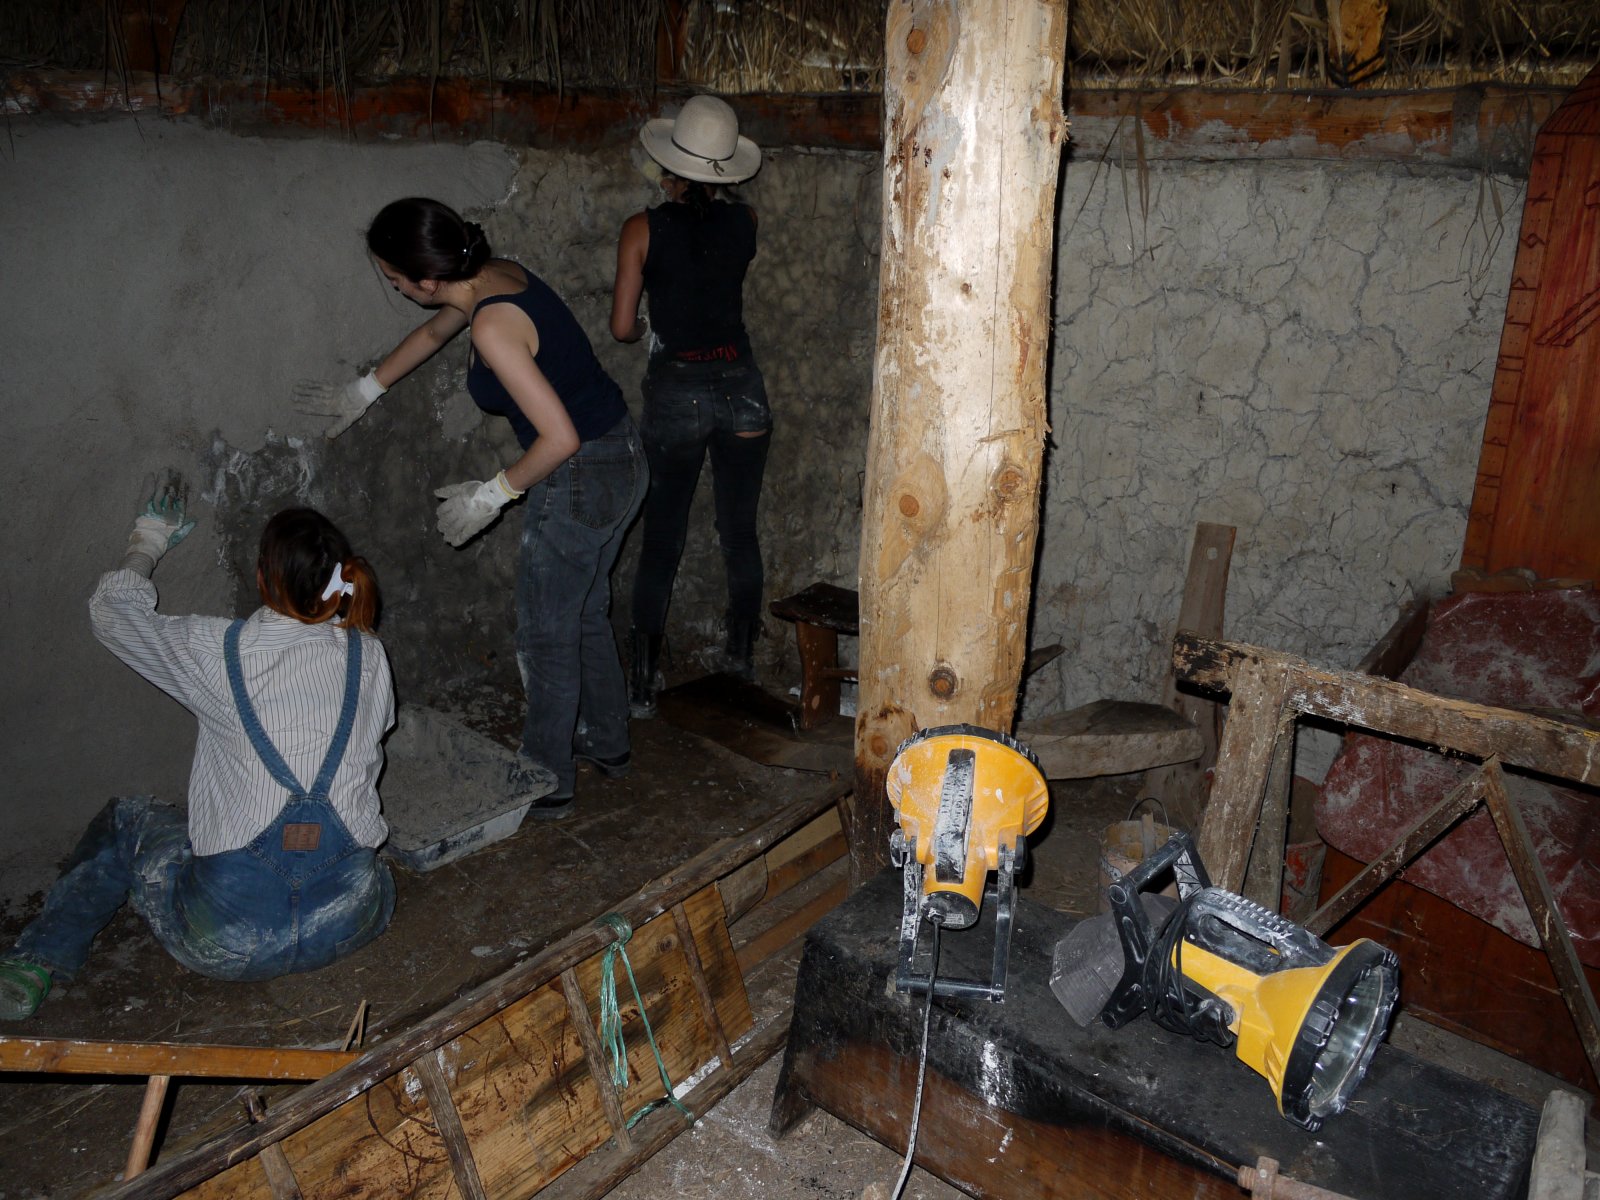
[469, 507]
[159, 526]
[346, 402]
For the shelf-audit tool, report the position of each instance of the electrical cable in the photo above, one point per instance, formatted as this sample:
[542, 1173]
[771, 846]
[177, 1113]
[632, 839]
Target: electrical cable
[922, 1069]
[1166, 991]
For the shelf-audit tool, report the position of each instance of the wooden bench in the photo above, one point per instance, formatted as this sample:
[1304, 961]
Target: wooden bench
[820, 614]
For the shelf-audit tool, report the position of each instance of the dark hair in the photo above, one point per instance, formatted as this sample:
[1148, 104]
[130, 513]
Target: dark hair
[696, 196]
[299, 550]
[423, 239]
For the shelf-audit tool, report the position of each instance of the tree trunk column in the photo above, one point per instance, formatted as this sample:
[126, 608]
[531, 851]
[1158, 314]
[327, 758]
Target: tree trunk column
[972, 146]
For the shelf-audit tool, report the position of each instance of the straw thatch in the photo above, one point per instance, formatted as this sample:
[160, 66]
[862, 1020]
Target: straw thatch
[818, 46]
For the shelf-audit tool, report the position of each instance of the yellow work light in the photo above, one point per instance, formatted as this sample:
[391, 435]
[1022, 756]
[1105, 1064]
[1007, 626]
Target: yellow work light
[1305, 1015]
[965, 798]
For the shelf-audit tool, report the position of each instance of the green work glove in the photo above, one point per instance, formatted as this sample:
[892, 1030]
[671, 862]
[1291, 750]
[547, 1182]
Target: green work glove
[159, 526]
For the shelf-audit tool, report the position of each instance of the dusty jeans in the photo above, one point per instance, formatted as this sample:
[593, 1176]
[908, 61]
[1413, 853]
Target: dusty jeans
[254, 913]
[690, 410]
[571, 669]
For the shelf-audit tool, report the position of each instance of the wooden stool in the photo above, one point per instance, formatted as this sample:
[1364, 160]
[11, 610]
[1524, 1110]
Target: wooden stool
[820, 614]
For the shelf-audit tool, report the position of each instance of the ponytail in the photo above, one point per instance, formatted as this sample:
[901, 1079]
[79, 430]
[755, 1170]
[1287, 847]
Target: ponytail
[307, 570]
[359, 610]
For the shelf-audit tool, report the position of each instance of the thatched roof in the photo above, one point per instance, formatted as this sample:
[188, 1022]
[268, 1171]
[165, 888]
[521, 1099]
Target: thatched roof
[821, 46]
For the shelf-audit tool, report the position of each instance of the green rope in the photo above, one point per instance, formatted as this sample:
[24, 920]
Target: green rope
[611, 1038]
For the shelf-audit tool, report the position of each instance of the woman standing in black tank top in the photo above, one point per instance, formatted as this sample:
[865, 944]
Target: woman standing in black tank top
[581, 467]
[703, 392]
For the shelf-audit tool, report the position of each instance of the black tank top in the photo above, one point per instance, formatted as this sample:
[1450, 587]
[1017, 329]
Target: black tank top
[694, 276]
[567, 358]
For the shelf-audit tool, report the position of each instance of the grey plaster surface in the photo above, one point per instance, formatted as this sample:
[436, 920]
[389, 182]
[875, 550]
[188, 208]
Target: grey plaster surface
[1300, 349]
[165, 286]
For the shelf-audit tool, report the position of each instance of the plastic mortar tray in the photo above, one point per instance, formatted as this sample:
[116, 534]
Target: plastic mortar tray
[448, 790]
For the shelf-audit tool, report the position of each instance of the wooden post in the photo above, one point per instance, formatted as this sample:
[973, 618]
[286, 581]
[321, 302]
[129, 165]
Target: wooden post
[972, 148]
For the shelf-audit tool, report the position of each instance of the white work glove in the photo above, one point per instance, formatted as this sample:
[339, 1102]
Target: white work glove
[470, 506]
[159, 526]
[346, 402]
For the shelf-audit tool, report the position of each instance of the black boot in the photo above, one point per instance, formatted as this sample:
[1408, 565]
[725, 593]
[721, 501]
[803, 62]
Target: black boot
[644, 675]
[740, 649]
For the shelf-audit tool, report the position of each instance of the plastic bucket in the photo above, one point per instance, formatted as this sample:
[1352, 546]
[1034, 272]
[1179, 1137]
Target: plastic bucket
[1123, 846]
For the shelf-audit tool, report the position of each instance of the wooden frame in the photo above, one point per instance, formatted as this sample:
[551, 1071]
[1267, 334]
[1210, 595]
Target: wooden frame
[437, 1073]
[1244, 826]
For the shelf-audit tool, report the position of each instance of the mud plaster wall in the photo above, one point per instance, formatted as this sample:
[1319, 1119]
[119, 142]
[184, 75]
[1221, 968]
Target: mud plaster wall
[1302, 350]
[180, 280]
[165, 285]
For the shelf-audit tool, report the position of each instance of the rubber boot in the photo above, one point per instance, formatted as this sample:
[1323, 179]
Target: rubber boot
[644, 674]
[740, 649]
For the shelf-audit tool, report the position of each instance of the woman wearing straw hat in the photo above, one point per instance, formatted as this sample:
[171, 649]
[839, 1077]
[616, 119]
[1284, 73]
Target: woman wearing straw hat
[703, 392]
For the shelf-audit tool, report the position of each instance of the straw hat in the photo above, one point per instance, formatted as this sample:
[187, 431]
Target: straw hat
[702, 143]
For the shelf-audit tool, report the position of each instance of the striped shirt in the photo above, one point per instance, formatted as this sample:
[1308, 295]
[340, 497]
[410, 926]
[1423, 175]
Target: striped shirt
[294, 674]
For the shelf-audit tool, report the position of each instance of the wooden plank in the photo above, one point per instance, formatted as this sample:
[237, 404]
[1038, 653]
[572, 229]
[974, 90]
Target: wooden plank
[1263, 878]
[368, 1085]
[769, 941]
[1110, 737]
[1183, 784]
[1533, 504]
[798, 870]
[1518, 739]
[1541, 901]
[72, 1056]
[1244, 766]
[447, 1120]
[594, 1056]
[1413, 841]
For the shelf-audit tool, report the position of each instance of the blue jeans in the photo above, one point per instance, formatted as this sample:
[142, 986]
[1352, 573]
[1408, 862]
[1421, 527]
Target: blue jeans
[254, 913]
[571, 535]
[691, 409]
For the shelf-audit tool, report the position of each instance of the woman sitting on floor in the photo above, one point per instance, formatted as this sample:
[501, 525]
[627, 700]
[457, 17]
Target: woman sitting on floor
[275, 869]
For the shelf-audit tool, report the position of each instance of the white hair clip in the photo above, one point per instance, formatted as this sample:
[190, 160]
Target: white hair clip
[336, 584]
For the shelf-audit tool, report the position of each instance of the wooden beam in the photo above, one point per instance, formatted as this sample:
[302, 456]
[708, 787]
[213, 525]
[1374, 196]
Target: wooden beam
[1355, 40]
[447, 1120]
[955, 451]
[1484, 126]
[65, 1056]
[1541, 901]
[594, 1057]
[274, 1162]
[1244, 767]
[1184, 786]
[1519, 739]
[1416, 838]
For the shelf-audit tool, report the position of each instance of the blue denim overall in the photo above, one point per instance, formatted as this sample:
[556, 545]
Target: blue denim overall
[298, 896]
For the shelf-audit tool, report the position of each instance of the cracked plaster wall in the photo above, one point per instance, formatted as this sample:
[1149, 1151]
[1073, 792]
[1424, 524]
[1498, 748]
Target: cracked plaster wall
[1303, 350]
